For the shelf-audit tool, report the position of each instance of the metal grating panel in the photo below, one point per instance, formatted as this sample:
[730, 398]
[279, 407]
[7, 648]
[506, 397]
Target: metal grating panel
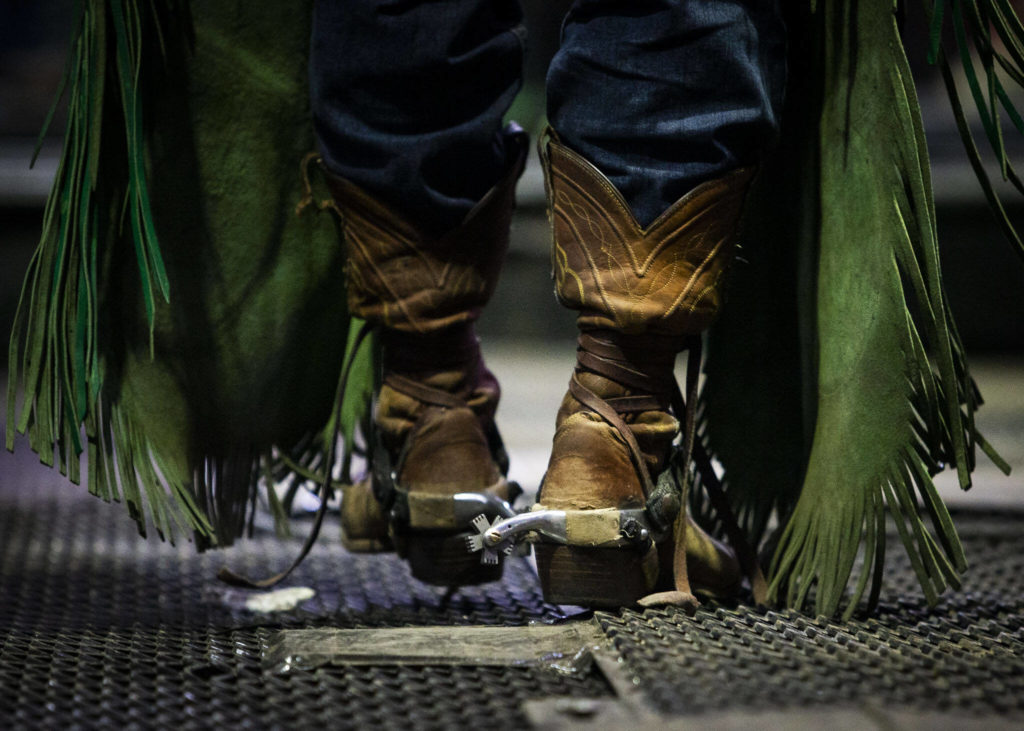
[100, 628]
[965, 655]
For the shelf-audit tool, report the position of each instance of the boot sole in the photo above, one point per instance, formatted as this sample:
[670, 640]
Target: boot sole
[604, 578]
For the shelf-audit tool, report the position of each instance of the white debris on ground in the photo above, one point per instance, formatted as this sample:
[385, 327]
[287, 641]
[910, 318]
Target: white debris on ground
[280, 600]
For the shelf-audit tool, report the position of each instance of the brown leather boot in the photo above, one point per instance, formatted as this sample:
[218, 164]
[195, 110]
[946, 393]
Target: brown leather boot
[642, 295]
[435, 445]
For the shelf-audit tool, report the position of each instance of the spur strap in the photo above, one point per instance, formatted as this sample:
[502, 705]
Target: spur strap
[453, 349]
[638, 362]
[607, 412]
[422, 392]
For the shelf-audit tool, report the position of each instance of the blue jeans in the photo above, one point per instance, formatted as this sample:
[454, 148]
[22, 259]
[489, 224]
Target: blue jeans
[661, 95]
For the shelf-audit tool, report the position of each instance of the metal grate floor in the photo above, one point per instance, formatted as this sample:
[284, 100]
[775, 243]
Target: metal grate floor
[100, 628]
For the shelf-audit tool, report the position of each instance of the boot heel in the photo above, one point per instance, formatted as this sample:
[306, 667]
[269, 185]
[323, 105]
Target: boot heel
[595, 577]
[364, 526]
[440, 558]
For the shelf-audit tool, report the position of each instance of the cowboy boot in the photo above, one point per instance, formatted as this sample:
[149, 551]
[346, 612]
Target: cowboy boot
[643, 295]
[435, 444]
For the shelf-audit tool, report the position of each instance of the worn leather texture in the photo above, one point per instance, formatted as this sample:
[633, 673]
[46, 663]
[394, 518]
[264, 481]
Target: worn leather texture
[364, 524]
[442, 450]
[590, 465]
[626, 281]
[662, 281]
[665, 279]
[404, 279]
[437, 401]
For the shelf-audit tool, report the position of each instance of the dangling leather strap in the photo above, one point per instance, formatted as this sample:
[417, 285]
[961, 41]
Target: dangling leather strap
[745, 553]
[682, 596]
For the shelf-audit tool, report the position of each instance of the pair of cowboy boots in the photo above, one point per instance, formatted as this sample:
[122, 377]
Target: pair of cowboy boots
[642, 294]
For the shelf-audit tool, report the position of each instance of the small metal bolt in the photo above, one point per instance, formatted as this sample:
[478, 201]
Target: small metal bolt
[632, 530]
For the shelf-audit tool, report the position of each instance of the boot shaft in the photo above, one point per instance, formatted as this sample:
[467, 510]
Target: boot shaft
[661, 280]
[434, 413]
[641, 294]
[404, 279]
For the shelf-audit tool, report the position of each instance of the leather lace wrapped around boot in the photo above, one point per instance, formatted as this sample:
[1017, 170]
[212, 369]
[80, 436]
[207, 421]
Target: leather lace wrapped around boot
[643, 295]
[437, 457]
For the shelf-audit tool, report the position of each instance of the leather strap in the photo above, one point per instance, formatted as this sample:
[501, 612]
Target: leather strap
[745, 552]
[641, 362]
[422, 392]
[680, 571]
[637, 362]
[636, 404]
[603, 409]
